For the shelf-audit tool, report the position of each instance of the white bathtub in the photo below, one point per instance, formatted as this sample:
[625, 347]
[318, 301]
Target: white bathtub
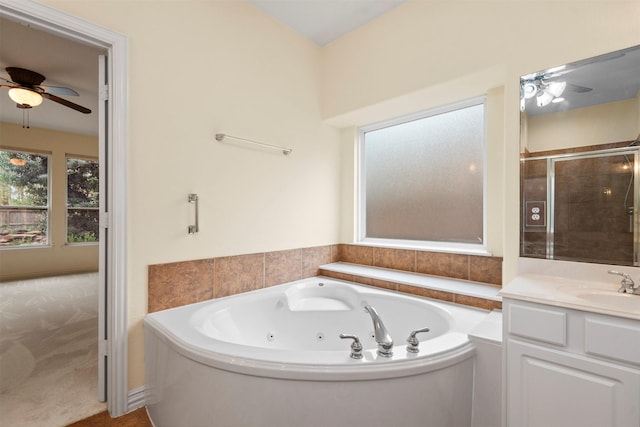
[273, 357]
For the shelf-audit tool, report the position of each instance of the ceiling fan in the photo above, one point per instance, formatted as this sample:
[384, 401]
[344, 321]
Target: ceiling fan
[26, 91]
[546, 88]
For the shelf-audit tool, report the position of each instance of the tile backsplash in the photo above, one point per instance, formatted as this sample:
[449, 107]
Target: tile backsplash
[180, 283]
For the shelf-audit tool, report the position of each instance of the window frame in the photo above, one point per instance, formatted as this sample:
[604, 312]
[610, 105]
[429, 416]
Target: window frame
[440, 246]
[66, 196]
[46, 208]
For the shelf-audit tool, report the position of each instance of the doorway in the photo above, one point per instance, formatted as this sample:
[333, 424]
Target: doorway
[113, 149]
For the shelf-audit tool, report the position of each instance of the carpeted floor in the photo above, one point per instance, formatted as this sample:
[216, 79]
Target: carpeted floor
[49, 351]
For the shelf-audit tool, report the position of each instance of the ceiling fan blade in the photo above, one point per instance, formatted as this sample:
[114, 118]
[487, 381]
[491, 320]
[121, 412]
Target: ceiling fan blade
[57, 90]
[7, 80]
[578, 88]
[66, 103]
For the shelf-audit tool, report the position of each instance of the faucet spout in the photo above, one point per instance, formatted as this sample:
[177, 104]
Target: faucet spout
[382, 337]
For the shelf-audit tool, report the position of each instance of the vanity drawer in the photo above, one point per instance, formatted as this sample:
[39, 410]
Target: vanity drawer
[538, 323]
[621, 342]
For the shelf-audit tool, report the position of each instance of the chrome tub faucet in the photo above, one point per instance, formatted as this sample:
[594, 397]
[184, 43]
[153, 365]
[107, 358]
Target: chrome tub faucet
[382, 337]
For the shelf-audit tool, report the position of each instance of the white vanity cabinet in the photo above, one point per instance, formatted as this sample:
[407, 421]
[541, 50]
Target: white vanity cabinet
[567, 367]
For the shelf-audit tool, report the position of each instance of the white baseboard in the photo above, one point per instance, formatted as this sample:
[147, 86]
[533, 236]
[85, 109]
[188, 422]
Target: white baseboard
[135, 398]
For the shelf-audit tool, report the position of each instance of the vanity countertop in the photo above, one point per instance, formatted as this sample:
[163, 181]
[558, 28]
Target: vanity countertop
[595, 297]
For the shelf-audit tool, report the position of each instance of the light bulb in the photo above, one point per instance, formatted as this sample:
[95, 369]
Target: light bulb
[25, 96]
[544, 99]
[556, 88]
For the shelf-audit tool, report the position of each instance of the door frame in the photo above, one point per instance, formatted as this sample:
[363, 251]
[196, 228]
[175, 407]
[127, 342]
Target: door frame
[61, 24]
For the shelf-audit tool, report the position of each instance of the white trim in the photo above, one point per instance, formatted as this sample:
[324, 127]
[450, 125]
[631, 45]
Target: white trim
[136, 399]
[425, 113]
[64, 25]
[417, 245]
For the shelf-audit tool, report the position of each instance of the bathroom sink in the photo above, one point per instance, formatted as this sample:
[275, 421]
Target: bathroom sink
[614, 300]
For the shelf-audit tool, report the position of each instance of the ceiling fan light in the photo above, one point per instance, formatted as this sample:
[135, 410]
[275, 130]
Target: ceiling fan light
[558, 100]
[544, 99]
[557, 88]
[25, 97]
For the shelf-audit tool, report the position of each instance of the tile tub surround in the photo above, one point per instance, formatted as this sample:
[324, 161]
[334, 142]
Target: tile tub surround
[180, 283]
[476, 268]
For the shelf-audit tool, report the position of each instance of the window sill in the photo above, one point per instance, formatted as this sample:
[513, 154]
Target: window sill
[444, 284]
[452, 248]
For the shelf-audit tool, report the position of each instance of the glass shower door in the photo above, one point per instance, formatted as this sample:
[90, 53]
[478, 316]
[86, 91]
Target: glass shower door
[594, 199]
[582, 207]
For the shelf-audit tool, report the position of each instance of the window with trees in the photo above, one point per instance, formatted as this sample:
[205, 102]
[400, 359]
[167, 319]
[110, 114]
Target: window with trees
[422, 179]
[82, 200]
[24, 198]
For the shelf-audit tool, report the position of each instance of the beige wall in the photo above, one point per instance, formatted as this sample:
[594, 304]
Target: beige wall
[256, 79]
[58, 257]
[429, 53]
[197, 68]
[600, 124]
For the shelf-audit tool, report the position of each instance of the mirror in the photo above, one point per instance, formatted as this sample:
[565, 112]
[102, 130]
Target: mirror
[580, 164]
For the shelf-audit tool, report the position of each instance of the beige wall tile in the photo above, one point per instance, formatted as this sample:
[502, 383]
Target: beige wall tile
[485, 269]
[338, 276]
[396, 259]
[179, 283]
[176, 284]
[236, 274]
[429, 293]
[478, 302]
[313, 258]
[442, 264]
[282, 267]
[356, 254]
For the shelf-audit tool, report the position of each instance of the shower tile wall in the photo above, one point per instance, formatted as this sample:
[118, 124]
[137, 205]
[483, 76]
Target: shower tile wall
[533, 187]
[590, 221]
[180, 283]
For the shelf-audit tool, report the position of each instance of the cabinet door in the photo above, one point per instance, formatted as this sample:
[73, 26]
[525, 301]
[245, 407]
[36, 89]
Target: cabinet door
[550, 388]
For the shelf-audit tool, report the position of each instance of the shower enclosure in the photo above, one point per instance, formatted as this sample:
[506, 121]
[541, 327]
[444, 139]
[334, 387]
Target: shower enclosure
[581, 206]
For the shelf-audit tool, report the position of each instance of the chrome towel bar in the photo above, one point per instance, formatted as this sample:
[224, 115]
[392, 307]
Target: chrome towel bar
[221, 136]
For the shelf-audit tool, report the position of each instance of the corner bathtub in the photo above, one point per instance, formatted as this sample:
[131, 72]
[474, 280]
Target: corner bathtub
[273, 357]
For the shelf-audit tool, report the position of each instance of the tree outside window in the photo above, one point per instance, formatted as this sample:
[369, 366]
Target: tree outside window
[82, 200]
[24, 198]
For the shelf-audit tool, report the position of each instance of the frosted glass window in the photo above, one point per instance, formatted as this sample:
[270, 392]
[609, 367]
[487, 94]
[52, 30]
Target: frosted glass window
[423, 179]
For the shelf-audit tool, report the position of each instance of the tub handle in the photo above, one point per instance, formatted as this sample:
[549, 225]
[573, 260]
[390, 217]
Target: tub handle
[413, 341]
[356, 346]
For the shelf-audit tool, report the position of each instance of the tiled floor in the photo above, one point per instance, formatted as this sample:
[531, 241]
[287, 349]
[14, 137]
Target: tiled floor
[137, 418]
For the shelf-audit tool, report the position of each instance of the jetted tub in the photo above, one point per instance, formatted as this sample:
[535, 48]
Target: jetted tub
[274, 357]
